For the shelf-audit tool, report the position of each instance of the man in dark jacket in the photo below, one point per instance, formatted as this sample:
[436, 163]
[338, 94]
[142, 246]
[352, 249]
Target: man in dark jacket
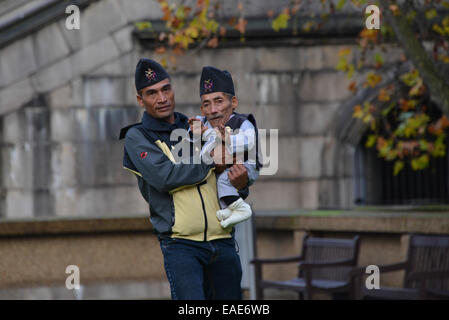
[200, 259]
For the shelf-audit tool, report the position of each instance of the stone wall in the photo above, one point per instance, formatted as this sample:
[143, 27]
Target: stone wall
[64, 95]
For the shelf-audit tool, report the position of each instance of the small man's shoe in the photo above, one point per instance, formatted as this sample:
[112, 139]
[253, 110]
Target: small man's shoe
[240, 211]
[224, 214]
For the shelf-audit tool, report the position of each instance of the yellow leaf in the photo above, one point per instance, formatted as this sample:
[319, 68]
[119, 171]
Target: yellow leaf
[371, 140]
[398, 166]
[281, 22]
[372, 80]
[344, 52]
[431, 13]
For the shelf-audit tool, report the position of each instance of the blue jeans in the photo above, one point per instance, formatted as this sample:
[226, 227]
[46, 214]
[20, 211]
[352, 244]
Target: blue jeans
[202, 270]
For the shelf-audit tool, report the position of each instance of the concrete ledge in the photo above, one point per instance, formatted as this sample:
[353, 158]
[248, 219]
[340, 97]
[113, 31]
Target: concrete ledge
[368, 220]
[35, 227]
[371, 220]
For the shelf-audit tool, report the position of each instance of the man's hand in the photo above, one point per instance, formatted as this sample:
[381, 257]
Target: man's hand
[196, 126]
[238, 176]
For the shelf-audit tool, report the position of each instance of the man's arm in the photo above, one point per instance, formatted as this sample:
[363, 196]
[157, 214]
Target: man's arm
[157, 169]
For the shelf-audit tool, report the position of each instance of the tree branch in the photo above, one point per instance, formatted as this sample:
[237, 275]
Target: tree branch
[435, 81]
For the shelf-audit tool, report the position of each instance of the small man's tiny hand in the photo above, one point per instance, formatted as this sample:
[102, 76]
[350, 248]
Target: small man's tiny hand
[197, 126]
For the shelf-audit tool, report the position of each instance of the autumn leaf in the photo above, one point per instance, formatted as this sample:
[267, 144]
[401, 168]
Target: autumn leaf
[383, 95]
[410, 78]
[371, 140]
[213, 43]
[372, 79]
[344, 52]
[421, 162]
[378, 60]
[352, 87]
[160, 50]
[398, 166]
[143, 25]
[358, 112]
[281, 22]
[340, 4]
[418, 89]
[222, 31]
[241, 25]
[164, 62]
[431, 13]
[369, 34]
[395, 9]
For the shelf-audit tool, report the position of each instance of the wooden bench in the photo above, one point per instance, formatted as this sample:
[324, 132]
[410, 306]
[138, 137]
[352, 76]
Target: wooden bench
[324, 266]
[426, 272]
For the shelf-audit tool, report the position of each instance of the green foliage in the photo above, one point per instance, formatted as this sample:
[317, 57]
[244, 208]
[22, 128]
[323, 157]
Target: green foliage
[281, 22]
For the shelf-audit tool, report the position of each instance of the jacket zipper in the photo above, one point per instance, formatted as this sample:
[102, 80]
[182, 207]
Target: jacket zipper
[204, 212]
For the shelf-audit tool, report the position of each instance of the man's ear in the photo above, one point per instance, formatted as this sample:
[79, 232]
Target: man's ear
[139, 100]
[234, 102]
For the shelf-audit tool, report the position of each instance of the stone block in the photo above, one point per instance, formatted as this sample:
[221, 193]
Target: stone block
[61, 97]
[19, 204]
[15, 96]
[17, 166]
[288, 157]
[330, 159]
[70, 95]
[118, 201]
[96, 124]
[278, 194]
[95, 55]
[315, 118]
[12, 127]
[138, 10]
[54, 76]
[100, 164]
[310, 151]
[328, 194]
[124, 39]
[284, 59]
[50, 45]
[17, 61]
[97, 21]
[104, 91]
[131, 93]
[315, 58]
[88, 164]
[346, 195]
[60, 73]
[123, 66]
[245, 85]
[63, 166]
[186, 89]
[323, 86]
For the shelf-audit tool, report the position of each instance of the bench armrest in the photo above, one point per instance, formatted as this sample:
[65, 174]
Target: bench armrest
[427, 275]
[360, 271]
[323, 264]
[260, 261]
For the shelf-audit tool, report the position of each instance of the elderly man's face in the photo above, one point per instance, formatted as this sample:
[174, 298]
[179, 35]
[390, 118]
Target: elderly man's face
[158, 100]
[217, 107]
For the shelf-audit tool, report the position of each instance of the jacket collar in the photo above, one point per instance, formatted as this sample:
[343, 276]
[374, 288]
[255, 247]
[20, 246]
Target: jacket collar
[154, 124]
